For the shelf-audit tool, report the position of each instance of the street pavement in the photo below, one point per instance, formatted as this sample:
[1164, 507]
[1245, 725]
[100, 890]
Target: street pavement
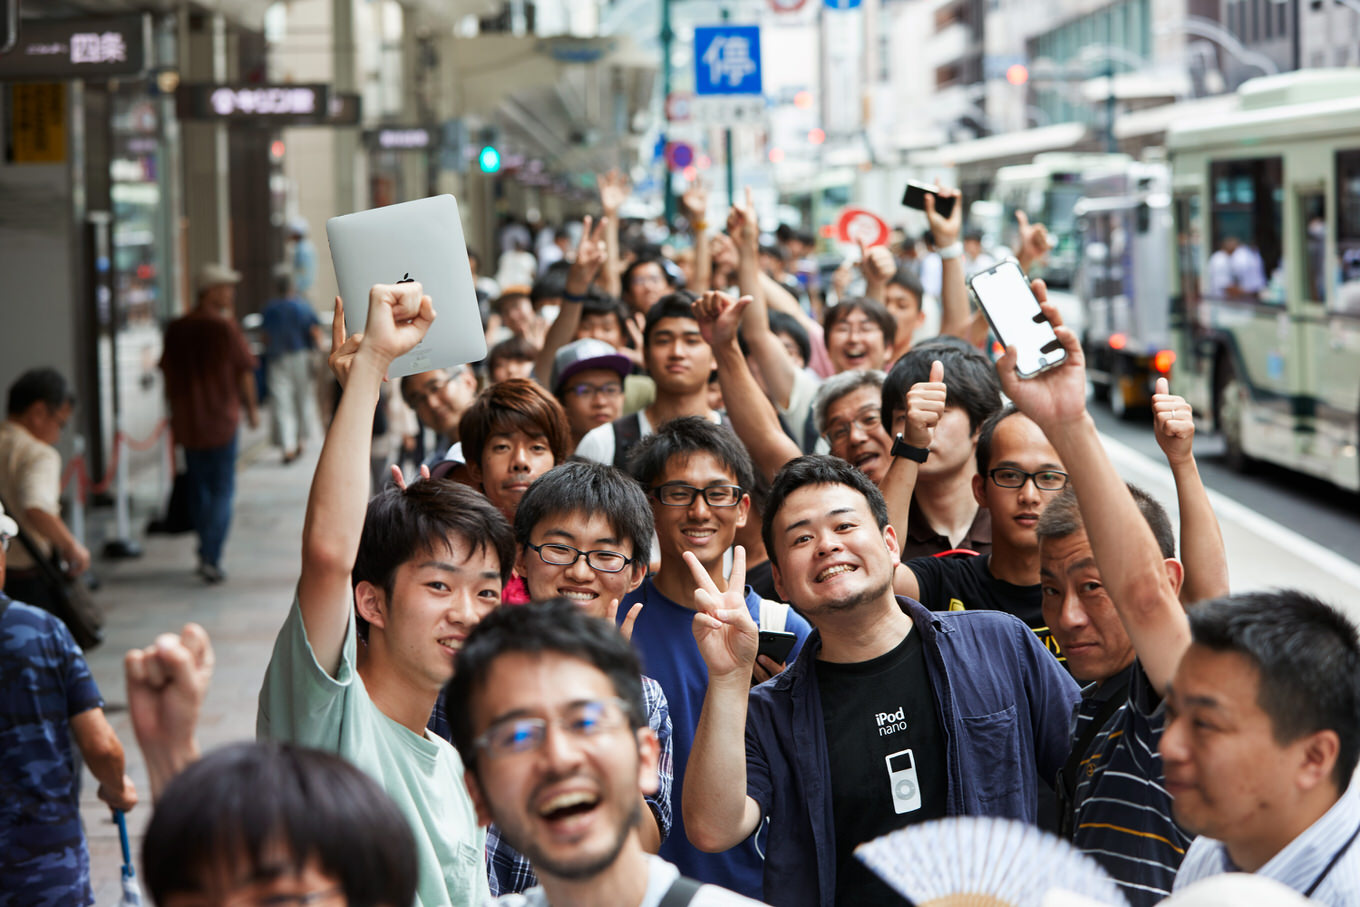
[160, 592]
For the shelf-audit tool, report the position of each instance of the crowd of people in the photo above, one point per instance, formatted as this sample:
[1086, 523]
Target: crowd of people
[712, 577]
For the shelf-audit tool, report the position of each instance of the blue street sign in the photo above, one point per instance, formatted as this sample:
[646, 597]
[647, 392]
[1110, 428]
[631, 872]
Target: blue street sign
[842, 4]
[727, 60]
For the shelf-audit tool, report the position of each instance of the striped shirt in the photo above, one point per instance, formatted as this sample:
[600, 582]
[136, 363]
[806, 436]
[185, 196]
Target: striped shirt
[1304, 862]
[1121, 813]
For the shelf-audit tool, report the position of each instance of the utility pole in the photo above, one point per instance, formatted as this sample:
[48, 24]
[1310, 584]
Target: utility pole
[667, 38]
[727, 145]
[1111, 145]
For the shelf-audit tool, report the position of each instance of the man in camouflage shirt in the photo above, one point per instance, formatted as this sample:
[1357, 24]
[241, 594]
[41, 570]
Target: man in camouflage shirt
[47, 701]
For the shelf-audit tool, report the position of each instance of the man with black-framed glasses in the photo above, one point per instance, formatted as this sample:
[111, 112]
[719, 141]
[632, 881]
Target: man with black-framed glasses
[583, 531]
[1018, 473]
[695, 474]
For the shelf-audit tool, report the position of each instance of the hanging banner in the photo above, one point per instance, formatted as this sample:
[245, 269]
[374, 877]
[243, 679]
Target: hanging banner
[38, 123]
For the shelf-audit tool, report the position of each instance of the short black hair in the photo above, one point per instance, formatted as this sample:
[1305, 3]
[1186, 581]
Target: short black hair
[584, 487]
[682, 437]
[816, 469]
[969, 377]
[1307, 654]
[838, 386]
[403, 522]
[784, 323]
[679, 304]
[1061, 517]
[39, 385]
[598, 303]
[874, 310]
[984, 441]
[512, 349]
[240, 803]
[552, 284]
[557, 626]
[909, 280]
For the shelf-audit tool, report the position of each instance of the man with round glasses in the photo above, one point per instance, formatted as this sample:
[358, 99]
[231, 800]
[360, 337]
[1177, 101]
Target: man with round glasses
[696, 474]
[583, 532]
[547, 714]
[1018, 473]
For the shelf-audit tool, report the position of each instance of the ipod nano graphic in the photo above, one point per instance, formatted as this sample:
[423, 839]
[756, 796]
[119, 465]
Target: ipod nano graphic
[906, 791]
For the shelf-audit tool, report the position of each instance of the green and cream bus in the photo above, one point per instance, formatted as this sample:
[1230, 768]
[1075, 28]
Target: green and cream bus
[1266, 290]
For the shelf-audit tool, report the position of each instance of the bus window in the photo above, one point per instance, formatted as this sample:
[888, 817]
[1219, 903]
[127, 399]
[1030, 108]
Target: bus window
[1188, 239]
[1245, 226]
[1313, 218]
[1347, 299]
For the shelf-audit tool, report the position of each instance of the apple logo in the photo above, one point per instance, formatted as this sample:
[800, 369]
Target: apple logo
[407, 278]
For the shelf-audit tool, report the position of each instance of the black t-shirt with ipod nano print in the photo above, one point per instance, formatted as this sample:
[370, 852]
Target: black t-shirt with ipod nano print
[886, 752]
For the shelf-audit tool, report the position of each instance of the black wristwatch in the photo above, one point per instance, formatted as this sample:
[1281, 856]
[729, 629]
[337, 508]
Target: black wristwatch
[901, 448]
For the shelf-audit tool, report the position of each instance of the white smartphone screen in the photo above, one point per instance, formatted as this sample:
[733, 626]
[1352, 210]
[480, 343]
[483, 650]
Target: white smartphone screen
[1016, 318]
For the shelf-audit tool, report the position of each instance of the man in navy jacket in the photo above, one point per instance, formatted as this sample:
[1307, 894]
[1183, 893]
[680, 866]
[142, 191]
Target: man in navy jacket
[891, 715]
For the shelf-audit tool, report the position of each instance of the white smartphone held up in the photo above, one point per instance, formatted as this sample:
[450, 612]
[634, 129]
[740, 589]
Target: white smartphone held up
[1006, 299]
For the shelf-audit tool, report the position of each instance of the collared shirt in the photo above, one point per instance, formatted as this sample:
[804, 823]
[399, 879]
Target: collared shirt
[1121, 812]
[660, 877]
[507, 869]
[30, 479]
[44, 683]
[1303, 861]
[1004, 705]
[921, 539]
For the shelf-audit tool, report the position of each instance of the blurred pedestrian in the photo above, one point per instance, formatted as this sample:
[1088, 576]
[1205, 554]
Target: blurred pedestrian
[304, 256]
[40, 403]
[209, 373]
[291, 329]
[48, 700]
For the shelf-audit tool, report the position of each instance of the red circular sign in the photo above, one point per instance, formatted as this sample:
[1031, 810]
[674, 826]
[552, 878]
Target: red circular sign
[786, 6]
[679, 155]
[859, 224]
[678, 105]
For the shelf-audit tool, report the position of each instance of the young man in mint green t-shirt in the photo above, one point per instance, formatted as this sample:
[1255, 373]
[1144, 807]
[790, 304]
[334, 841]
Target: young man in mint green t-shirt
[410, 574]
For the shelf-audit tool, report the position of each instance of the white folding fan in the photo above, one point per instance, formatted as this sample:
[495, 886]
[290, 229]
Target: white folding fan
[970, 861]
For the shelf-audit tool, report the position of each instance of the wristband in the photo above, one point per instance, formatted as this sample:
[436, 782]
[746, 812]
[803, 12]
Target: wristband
[699, 226]
[901, 448]
[953, 250]
[574, 297]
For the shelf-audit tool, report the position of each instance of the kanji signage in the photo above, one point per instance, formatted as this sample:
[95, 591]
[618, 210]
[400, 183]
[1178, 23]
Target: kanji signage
[90, 48]
[727, 60]
[259, 104]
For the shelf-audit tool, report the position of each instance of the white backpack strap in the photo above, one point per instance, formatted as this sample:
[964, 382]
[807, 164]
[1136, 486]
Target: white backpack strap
[773, 615]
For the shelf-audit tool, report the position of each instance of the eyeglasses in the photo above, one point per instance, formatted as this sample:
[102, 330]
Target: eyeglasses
[565, 555]
[590, 390]
[1044, 480]
[646, 280]
[868, 419]
[419, 395]
[847, 327]
[684, 495]
[580, 720]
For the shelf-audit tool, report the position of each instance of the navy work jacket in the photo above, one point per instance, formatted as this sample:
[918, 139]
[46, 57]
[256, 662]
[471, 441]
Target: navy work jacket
[1005, 705]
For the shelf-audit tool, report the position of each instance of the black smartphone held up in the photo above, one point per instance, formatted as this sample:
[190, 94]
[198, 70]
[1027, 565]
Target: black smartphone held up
[777, 644]
[1014, 314]
[915, 197]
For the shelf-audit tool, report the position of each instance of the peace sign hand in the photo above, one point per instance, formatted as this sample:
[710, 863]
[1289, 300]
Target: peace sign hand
[723, 629]
[590, 256]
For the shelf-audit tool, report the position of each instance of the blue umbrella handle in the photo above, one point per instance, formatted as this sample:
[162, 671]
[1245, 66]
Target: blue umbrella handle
[119, 819]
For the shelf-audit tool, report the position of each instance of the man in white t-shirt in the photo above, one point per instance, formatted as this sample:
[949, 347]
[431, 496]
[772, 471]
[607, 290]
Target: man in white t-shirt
[411, 573]
[547, 713]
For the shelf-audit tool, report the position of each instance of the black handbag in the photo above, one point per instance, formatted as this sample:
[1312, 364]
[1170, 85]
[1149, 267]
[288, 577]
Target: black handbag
[69, 599]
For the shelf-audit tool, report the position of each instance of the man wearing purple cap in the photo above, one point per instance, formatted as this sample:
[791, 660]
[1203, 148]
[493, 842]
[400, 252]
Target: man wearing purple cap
[587, 378]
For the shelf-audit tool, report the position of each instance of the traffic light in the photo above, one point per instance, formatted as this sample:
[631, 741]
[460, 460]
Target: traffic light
[489, 160]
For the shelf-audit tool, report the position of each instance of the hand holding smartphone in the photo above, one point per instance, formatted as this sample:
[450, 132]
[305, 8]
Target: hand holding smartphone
[1012, 310]
[915, 197]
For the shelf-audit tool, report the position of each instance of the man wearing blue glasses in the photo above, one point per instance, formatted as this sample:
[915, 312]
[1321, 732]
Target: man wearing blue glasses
[696, 474]
[547, 714]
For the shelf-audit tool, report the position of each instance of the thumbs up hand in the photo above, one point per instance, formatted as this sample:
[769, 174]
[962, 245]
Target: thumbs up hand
[925, 406]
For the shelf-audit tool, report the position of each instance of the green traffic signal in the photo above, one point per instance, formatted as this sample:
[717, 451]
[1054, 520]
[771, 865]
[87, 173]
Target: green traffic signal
[489, 160]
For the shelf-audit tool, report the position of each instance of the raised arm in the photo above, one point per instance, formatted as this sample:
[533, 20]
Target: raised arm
[752, 414]
[166, 684]
[695, 203]
[613, 193]
[718, 812]
[925, 404]
[955, 316]
[398, 317]
[769, 354]
[878, 266]
[1202, 552]
[591, 254]
[1131, 565]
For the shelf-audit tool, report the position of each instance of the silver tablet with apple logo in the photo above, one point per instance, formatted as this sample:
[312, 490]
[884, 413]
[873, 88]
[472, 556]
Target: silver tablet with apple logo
[419, 240]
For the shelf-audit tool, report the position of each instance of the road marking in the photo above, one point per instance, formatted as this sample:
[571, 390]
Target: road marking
[1326, 560]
